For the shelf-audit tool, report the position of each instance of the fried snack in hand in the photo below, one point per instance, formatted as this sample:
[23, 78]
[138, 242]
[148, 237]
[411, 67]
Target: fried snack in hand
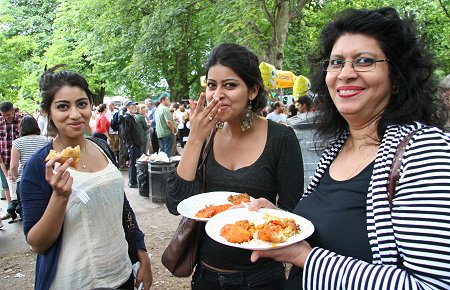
[238, 198]
[67, 153]
[212, 210]
[239, 232]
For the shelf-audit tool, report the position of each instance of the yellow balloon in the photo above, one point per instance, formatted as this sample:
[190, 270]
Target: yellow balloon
[268, 74]
[301, 86]
[285, 79]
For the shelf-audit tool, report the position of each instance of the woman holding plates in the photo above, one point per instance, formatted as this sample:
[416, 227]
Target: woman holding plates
[248, 154]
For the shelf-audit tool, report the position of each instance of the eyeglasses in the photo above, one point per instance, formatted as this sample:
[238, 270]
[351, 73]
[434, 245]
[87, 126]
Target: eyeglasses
[361, 64]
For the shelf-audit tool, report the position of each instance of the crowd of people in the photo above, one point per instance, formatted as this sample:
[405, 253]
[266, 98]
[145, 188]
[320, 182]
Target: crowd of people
[375, 95]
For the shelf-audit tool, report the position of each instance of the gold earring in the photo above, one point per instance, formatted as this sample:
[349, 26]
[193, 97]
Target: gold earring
[247, 118]
[395, 90]
[219, 125]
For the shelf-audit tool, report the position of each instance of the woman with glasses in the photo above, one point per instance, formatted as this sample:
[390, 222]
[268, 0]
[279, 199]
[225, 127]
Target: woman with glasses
[376, 86]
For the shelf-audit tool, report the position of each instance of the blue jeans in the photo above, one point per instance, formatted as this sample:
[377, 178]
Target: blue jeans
[133, 155]
[4, 181]
[165, 144]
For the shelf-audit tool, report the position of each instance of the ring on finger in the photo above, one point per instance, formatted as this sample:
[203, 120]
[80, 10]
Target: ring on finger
[210, 117]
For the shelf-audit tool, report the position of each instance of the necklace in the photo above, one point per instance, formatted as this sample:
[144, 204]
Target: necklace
[360, 162]
[82, 161]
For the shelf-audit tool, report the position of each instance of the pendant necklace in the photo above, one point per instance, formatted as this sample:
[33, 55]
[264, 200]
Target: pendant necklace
[360, 162]
[81, 159]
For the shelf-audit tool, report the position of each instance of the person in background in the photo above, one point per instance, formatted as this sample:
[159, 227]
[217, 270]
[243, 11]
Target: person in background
[248, 154]
[22, 148]
[292, 111]
[132, 139]
[141, 112]
[43, 122]
[123, 153]
[444, 93]
[304, 104]
[184, 130]
[148, 148]
[114, 140]
[79, 245]
[92, 123]
[5, 172]
[101, 123]
[375, 86]
[165, 128]
[9, 131]
[277, 114]
[151, 115]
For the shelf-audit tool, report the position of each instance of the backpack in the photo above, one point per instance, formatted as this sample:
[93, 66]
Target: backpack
[116, 120]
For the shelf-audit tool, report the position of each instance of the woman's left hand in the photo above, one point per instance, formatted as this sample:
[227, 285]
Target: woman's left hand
[144, 273]
[256, 204]
[295, 254]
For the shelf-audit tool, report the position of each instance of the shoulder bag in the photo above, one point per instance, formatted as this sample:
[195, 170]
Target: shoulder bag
[180, 256]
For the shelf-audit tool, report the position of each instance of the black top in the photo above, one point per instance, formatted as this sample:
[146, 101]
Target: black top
[277, 173]
[341, 224]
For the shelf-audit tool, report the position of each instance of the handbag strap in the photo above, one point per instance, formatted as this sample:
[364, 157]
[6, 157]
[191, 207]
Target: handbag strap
[394, 176]
[208, 144]
[105, 147]
[394, 173]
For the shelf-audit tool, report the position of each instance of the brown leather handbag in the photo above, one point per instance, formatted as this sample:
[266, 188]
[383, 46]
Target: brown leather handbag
[180, 256]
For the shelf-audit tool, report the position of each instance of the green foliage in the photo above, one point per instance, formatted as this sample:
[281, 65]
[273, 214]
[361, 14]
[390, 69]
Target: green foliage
[14, 52]
[138, 48]
[433, 24]
[25, 33]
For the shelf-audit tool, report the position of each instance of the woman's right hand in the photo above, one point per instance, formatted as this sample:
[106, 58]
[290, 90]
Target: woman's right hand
[202, 121]
[59, 179]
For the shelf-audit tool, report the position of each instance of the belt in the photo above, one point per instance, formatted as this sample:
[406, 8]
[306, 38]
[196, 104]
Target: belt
[240, 277]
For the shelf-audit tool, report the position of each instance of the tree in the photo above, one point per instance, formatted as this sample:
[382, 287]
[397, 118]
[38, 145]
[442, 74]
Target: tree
[26, 28]
[14, 52]
[177, 57]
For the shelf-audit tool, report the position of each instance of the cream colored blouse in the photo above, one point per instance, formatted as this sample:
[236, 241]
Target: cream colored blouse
[94, 250]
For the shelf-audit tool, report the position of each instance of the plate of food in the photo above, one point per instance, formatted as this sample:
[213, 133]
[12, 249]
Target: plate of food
[273, 228]
[203, 206]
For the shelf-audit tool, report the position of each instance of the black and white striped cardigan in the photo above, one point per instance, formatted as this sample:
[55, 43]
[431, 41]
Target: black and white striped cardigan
[418, 227]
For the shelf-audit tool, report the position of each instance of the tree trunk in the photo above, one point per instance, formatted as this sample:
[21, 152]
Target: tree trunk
[275, 52]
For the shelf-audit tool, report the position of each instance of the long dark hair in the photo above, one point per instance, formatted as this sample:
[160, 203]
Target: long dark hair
[51, 82]
[245, 64]
[410, 70]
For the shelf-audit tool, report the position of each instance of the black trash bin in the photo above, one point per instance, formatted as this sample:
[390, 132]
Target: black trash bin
[142, 177]
[158, 173]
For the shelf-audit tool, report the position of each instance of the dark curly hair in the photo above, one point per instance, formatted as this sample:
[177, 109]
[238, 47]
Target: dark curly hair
[410, 70]
[244, 63]
[51, 82]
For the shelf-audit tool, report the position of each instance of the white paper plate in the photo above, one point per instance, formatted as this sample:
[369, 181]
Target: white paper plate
[215, 224]
[190, 206]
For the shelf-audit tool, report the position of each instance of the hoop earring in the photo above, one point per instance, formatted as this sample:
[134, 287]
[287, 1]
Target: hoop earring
[247, 118]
